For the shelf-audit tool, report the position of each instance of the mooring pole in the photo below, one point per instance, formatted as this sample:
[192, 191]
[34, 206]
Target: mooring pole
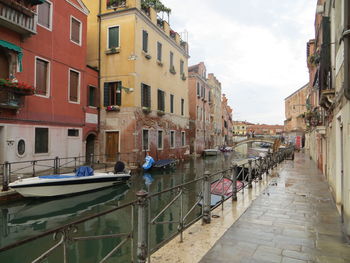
[234, 182]
[250, 174]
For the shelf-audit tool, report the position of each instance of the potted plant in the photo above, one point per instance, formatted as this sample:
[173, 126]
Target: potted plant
[172, 70]
[113, 108]
[160, 112]
[183, 77]
[20, 88]
[146, 110]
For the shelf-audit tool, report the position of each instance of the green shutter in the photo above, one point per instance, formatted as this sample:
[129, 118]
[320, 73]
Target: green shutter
[106, 94]
[144, 41]
[113, 37]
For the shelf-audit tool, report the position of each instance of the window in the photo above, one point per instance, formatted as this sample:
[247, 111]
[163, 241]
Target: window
[198, 89]
[42, 77]
[171, 103]
[112, 93]
[181, 67]
[183, 138]
[198, 111]
[41, 140]
[171, 60]
[73, 132]
[145, 96]
[160, 140]
[202, 91]
[21, 147]
[45, 14]
[74, 85]
[75, 31]
[209, 94]
[159, 51]
[182, 107]
[92, 96]
[161, 101]
[144, 41]
[145, 140]
[113, 37]
[172, 139]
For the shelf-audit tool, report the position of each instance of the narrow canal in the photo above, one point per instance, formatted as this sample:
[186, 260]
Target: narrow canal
[29, 217]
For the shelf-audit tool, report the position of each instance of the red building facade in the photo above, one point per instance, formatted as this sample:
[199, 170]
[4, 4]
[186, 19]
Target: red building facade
[45, 50]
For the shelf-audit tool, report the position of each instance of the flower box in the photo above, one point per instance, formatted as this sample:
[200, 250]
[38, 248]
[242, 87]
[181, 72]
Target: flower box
[160, 112]
[19, 88]
[113, 108]
[183, 77]
[172, 70]
[146, 110]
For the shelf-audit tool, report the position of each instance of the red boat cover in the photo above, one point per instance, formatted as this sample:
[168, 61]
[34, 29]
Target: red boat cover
[224, 187]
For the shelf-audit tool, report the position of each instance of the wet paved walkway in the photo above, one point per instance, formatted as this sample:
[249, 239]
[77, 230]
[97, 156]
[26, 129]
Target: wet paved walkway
[294, 220]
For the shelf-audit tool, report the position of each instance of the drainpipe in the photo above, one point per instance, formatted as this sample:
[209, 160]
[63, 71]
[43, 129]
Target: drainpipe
[99, 67]
[346, 50]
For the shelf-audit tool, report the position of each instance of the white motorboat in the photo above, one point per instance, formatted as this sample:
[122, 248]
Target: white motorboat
[210, 152]
[65, 184]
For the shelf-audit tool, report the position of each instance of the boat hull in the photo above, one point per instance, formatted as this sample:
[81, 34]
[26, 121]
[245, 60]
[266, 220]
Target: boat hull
[210, 152]
[34, 187]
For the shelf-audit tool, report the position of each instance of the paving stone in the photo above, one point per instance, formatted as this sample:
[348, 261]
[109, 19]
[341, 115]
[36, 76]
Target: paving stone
[296, 222]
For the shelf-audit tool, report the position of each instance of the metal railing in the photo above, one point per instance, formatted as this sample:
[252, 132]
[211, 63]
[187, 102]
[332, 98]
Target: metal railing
[10, 171]
[148, 217]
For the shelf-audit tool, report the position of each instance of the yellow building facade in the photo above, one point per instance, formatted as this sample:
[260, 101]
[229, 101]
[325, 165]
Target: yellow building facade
[143, 79]
[239, 128]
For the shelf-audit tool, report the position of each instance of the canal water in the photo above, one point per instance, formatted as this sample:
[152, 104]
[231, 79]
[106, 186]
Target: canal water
[29, 217]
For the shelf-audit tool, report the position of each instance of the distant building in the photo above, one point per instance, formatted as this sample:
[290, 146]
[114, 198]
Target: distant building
[215, 111]
[265, 129]
[226, 121]
[143, 69]
[295, 110]
[240, 127]
[43, 49]
[200, 97]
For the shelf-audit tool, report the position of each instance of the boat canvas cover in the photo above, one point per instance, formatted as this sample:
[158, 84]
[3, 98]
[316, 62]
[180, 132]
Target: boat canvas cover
[84, 171]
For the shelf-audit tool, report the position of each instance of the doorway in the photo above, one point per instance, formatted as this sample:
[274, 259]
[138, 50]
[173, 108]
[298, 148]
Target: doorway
[112, 146]
[90, 146]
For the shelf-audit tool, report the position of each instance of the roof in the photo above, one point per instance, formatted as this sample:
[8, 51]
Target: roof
[295, 92]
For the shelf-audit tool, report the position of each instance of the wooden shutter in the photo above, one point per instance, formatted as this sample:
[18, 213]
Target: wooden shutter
[44, 14]
[106, 94]
[159, 51]
[113, 37]
[119, 93]
[148, 96]
[75, 31]
[73, 85]
[41, 77]
[144, 41]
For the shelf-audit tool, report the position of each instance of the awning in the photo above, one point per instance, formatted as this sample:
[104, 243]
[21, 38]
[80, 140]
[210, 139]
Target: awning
[15, 48]
[37, 2]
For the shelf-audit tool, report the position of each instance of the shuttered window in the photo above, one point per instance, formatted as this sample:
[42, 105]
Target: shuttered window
[182, 107]
[41, 77]
[160, 140]
[41, 140]
[198, 90]
[75, 31]
[159, 51]
[161, 100]
[44, 14]
[183, 138]
[172, 139]
[171, 103]
[145, 96]
[74, 82]
[113, 93]
[144, 41]
[145, 140]
[181, 67]
[92, 96]
[171, 60]
[113, 37]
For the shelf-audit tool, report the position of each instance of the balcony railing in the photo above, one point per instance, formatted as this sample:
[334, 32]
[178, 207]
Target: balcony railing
[17, 17]
[10, 100]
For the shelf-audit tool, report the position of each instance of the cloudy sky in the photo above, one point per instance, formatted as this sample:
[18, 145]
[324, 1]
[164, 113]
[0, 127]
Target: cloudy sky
[256, 48]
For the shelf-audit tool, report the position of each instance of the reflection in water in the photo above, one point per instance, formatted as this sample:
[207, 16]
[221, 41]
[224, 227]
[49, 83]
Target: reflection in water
[29, 217]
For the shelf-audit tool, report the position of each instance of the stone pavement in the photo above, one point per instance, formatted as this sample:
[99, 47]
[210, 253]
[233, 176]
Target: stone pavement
[294, 220]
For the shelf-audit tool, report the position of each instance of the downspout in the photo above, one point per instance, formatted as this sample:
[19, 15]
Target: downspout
[346, 50]
[99, 67]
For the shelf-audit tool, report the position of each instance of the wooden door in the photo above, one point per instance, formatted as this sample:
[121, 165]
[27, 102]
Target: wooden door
[112, 146]
[4, 66]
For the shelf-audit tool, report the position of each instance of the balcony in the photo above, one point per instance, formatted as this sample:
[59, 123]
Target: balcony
[10, 100]
[17, 17]
[327, 98]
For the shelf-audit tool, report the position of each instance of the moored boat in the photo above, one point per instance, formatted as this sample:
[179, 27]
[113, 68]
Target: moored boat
[210, 152]
[66, 184]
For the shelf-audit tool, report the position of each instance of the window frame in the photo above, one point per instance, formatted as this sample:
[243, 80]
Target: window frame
[96, 102]
[115, 84]
[48, 140]
[51, 16]
[160, 101]
[182, 67]
[149, 99]
[107, 44]
[172, 99]
[172, 132]
[80, 31]
[159, 54]
[182, 107]
[78, 88]
[183, 138]
[48, 80]
[171, 60]
[162, 146]
[145, 44]
[148, 140]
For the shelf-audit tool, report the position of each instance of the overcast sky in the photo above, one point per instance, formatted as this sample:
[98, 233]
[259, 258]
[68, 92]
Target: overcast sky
[256, 48]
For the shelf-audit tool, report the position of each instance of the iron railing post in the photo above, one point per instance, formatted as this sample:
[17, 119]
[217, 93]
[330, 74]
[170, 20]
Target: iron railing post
[56, 165]
[6, 177]
[142, 226]
[234, 182]
[250, 174]
[206, 198]
[91, 160]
